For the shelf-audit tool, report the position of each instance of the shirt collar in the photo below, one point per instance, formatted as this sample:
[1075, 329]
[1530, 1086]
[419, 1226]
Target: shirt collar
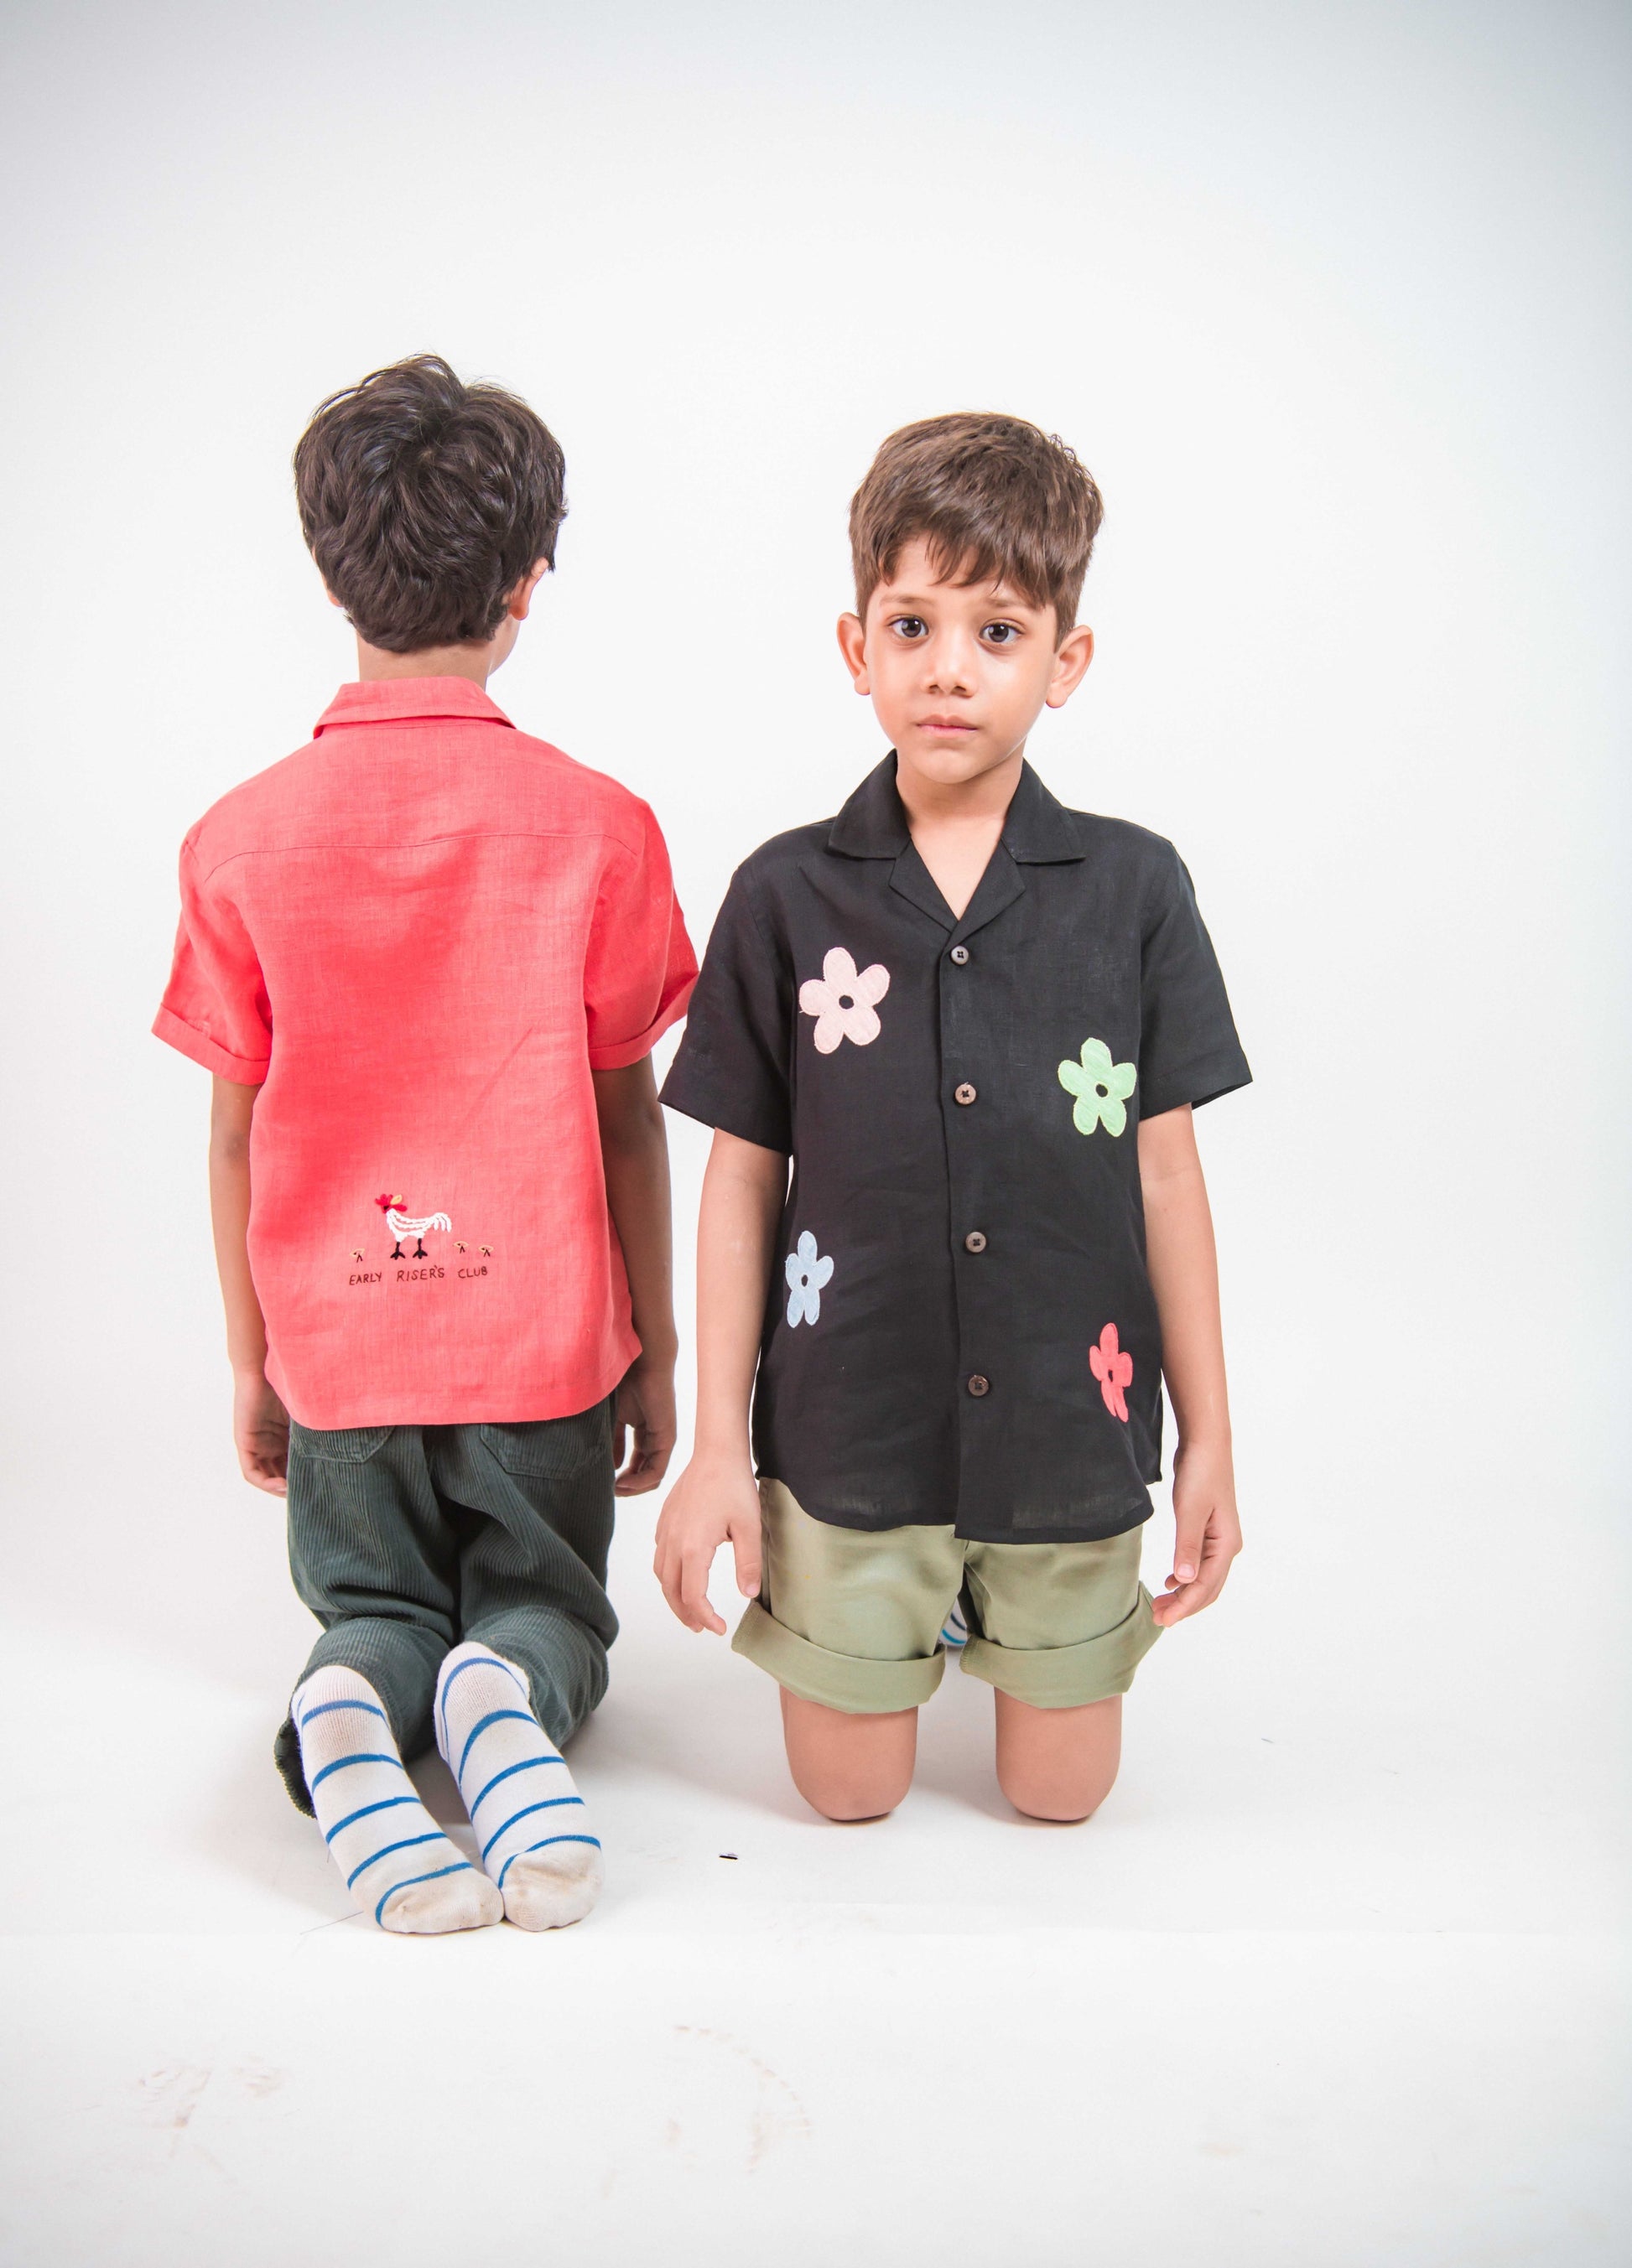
[393, 700]
[1037, 829]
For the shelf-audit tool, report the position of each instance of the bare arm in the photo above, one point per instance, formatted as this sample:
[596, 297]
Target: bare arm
[1184, 1274]
[714, 1500]
[260, 1422]
[634, 1156]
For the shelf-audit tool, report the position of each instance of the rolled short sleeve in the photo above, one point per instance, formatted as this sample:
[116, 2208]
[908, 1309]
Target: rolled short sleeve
[731, 1071]
[215, 1009]
[639, 967]
[1188, 1051]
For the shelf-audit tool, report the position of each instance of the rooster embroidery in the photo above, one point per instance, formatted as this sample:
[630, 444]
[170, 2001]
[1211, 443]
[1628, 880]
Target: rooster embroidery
[401, 1225]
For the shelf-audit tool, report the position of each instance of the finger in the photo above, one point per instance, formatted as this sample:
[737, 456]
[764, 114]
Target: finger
[697, 1607]
[658, 1449]
[1189, 1541]
[666, 1567]
[646, 1468]
[1190, 1598]
[685, 1609]
[746, 1551]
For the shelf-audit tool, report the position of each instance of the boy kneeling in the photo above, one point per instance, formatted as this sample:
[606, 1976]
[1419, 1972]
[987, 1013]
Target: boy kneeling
[978, 1023]
[426, 958]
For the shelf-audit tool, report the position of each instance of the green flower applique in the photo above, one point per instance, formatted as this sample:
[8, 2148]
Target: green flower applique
[1101, 1087]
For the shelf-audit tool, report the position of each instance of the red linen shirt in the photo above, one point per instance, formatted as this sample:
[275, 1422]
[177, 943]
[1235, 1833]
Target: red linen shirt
[419, 935]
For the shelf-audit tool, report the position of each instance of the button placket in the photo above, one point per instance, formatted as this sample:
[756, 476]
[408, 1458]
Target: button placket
[965, 1043]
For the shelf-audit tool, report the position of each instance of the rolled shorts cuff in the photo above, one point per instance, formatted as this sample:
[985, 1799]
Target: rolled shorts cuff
[1068, 1677]
[837, 1681]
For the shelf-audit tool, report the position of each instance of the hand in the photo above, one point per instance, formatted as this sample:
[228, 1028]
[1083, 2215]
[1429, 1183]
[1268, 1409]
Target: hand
[1207, 1531]
[713, 1502]
[645, 1404]
[260, 1432]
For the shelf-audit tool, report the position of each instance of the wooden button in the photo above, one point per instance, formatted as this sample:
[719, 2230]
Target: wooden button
[977, 1385]
[975, 1241]
[964, 1094]
[959, 953]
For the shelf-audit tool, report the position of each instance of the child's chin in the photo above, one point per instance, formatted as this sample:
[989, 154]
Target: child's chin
[949, 760]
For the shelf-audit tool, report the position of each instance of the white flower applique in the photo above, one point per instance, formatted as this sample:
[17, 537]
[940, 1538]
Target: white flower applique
[806, 1272]
[843, 1000]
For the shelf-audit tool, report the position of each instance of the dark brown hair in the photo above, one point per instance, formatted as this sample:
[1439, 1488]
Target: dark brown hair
[426, 501]
[992, 497]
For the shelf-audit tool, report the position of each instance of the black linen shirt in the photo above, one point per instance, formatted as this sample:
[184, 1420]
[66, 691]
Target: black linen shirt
[960, 1327]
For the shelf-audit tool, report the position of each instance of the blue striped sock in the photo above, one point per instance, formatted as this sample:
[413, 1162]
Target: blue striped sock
[531, 1828]
[394, 1860]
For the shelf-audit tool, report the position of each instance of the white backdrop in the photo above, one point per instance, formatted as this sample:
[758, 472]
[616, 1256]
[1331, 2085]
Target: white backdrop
[1330, 297]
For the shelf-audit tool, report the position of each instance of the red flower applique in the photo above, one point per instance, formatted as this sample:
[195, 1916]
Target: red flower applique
[1113, 1369]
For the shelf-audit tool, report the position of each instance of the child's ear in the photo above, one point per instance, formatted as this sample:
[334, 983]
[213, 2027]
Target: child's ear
[521, 598]
[852, 645]
[1077, 651]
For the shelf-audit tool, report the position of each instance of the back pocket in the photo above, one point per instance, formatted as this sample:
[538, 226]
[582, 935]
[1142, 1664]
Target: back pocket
[552, 1448]
[346, 1444]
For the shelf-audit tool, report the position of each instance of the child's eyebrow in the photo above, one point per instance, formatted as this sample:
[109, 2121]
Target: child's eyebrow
[1002, 598]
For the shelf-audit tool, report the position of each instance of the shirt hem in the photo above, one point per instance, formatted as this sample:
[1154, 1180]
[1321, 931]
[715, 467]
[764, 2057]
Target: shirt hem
[1087, 1530]
[470, 1408]
[191, 1042]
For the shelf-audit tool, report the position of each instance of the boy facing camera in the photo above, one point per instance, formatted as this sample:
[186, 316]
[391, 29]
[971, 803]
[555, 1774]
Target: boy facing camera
[425, 958]
[976, 1024]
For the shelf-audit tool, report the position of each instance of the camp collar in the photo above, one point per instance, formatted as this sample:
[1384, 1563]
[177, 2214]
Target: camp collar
[394, 700]
[1037, 829]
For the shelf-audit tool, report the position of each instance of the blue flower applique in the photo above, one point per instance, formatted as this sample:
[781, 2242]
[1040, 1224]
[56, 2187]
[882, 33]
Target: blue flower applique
[806, 1270]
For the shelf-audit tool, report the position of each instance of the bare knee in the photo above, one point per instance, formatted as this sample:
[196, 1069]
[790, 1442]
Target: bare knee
[849, 1767]
[1068, 1802]
[849, 1797]
[1058, 1764]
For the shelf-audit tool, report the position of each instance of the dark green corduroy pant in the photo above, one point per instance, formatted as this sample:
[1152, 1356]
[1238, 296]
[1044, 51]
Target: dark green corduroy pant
[403, 1540]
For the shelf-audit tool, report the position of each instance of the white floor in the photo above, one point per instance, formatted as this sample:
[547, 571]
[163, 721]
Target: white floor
[1315, 1990]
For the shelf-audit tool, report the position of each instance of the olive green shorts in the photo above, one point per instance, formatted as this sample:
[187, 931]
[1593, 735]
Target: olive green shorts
[853, 1617]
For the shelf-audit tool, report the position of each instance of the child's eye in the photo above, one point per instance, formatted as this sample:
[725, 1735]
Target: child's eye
[1000, 633]
[908, 626]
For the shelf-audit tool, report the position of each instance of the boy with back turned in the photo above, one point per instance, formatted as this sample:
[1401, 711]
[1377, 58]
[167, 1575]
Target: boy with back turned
[425, 958]
[978, 1024]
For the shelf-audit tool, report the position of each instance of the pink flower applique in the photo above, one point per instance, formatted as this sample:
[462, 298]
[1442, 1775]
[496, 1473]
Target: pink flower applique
[1113, 1369]
[843, 1000]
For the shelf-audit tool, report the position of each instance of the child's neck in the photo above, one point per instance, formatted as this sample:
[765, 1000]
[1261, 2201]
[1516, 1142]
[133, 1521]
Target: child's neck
[476, 662]
[956, 825]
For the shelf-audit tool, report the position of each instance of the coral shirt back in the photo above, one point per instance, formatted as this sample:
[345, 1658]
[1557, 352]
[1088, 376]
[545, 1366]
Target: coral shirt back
[419, 935]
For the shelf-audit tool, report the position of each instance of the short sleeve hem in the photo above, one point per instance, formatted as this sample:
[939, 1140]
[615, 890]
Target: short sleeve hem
[723, 1116]
[193, 1043]
[1205, 1080]
[617, 1055]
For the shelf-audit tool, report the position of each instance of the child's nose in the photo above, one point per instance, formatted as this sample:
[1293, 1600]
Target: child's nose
[951, 665]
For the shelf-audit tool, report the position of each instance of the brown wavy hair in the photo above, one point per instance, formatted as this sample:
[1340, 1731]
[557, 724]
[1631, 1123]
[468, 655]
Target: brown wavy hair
[426, 501]
[992, 498]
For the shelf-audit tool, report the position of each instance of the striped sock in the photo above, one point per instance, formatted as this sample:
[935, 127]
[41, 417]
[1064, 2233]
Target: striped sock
[531, 1828]
[396, 1862]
